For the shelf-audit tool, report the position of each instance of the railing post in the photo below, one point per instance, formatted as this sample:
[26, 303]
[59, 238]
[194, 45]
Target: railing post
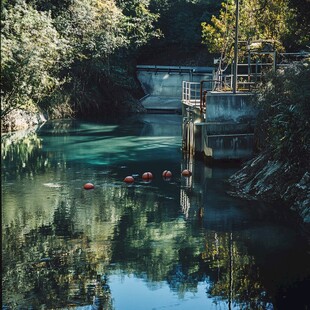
[201, 84]
[235, 77]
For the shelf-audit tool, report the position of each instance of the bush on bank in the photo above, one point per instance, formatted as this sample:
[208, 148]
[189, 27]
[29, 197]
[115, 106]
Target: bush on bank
[71, 57]
[281, 171]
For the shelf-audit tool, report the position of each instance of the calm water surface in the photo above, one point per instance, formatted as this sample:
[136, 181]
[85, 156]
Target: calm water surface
[169, 244]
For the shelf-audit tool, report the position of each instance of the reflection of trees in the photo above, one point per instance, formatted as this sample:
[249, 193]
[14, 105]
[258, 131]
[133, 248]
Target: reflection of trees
[53, 265]
[20, 152]
[64, 262]
[235, 277]
[172, 251]
[57, 251]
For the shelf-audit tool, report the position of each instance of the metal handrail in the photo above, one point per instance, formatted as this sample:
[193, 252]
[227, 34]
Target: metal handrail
[194, 93]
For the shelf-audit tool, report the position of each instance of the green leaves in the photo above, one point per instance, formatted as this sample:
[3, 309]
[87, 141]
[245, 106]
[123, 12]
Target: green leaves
[284, 102]
[31, 50]
[50, 47]
[258, 20]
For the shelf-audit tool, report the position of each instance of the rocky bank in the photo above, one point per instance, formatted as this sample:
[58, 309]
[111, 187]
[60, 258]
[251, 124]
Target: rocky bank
[20, 120]
[272, 181]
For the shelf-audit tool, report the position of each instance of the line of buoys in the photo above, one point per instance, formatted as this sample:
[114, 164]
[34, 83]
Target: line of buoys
[89, 186]
[186, 173]
[147, 177]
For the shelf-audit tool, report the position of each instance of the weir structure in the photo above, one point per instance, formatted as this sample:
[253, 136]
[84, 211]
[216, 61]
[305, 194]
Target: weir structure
[218, 114]
[216, 124]
[163, 85]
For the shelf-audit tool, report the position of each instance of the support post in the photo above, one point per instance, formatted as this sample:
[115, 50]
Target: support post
[235, 82]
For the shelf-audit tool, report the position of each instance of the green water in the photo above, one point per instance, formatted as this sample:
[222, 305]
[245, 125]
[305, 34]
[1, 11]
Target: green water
[182, 243]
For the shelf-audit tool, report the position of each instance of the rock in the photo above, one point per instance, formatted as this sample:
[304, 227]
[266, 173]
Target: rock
[20, 120]
[274, 182]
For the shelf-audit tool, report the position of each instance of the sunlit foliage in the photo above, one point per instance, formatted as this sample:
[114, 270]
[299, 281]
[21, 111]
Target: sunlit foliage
[56, 52]
[258, 20]
[31, 54]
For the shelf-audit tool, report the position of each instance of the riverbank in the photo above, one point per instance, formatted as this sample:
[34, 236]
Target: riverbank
[21, 120]
[274, 182]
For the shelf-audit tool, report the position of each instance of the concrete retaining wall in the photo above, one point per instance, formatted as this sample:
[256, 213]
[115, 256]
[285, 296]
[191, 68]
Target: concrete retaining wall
[163, 85]
[223, 147]
[226, 129]
[229, 107]
[230, 120]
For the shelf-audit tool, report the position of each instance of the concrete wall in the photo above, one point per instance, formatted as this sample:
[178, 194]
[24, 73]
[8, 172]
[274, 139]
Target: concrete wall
[225, 147]
[229, 107]
[165, 84]
[230, 120]
[226, 129]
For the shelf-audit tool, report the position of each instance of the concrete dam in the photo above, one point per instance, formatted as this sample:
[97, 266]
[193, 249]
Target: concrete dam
[217, 124]
[163, 85]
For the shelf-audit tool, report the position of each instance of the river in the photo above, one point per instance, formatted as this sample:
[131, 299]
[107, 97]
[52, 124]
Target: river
[180, 243]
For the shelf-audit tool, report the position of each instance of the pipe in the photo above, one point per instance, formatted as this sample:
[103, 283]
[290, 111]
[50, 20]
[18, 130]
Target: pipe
[236, 49]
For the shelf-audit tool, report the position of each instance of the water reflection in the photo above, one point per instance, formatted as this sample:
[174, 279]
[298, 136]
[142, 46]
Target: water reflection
[178, 244]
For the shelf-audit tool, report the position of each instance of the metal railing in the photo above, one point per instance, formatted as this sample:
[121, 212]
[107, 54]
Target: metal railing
[194, 93]
[191, 92]
[244, 83]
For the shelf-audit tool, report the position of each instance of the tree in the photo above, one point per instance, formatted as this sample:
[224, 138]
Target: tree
[100, 32]
[60, 51]
[179, 22]
[31, 52]
[139, 21]
[258, 20]
[299, 37]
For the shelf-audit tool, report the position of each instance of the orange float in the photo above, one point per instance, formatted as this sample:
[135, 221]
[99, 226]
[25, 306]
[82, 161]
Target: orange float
[186, 173]
[147, 176]
[89, 186]
[129, 179]
[167, 174]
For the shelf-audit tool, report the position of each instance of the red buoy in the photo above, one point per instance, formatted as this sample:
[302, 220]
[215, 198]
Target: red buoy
[147, 176]
[129, 179]
[186, 173]
[89, 186]
[167, 174]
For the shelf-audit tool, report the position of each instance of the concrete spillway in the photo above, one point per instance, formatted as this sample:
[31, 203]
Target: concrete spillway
[163, 85]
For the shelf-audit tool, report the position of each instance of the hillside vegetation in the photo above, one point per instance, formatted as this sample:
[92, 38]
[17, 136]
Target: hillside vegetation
[78, 57]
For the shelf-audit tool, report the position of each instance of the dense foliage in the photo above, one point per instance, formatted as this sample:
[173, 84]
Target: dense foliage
[69, 52]
[284, 126]
[280, 22]
[31, 53]
[180, 43]
[79, 56]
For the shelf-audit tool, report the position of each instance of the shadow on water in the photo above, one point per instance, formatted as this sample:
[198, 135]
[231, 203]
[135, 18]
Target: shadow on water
[181, 243]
